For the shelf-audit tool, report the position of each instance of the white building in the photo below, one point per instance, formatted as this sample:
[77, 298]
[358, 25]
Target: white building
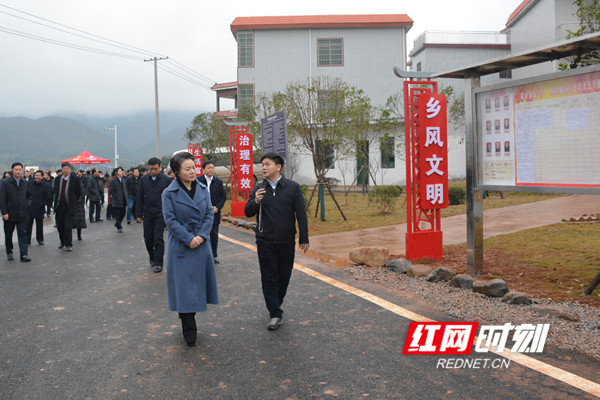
[362, 50]
[533, 24]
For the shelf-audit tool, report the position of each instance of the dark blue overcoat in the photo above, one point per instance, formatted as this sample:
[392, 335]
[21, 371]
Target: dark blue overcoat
[191, 278]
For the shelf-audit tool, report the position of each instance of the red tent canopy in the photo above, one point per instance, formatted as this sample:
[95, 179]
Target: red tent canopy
[86, 158]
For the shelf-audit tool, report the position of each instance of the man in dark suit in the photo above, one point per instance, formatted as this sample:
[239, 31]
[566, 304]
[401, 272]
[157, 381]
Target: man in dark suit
[67, 191]
[14, 198]
[217, 199]
[148, 209]
[118, 190]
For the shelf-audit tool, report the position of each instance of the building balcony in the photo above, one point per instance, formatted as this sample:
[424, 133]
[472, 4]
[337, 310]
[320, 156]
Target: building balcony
[562, 31]
[459, 38]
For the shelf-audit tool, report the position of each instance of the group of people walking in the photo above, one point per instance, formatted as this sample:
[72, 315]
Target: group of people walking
[189, 207]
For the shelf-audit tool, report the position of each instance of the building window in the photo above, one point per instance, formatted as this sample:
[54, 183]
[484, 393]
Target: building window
[388, 155]
[419, 66]
[330, 52]
[325, 154]
[506, 74]
[245, 42]
[245, 96]
[330, 101]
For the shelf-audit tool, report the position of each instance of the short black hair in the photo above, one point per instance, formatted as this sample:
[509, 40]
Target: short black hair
[154, 161]
[273, 156]
[65, 164]
[117, 169]
[207, 162]
[40, 171]
[15, 164]
[178, 159]
[93, 170]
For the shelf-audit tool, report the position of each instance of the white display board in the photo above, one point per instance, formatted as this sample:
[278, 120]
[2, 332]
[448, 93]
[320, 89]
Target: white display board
[541, 134]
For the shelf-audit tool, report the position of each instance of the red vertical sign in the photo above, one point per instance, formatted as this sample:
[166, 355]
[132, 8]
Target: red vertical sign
[433, 152]
[197, 152]
[244, 167]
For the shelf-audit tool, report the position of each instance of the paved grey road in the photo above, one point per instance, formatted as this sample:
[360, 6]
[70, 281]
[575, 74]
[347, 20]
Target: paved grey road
[94, 324]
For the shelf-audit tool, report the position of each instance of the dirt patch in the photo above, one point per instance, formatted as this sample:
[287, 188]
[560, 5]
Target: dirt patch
[536, 281]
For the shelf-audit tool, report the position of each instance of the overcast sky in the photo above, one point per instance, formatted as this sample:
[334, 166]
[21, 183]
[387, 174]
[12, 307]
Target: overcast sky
[40, 79]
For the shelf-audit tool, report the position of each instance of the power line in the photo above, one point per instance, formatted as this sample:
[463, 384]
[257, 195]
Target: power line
[186, 73]
[65, 44]
[199, 75]
[177, 74]
[137, 49]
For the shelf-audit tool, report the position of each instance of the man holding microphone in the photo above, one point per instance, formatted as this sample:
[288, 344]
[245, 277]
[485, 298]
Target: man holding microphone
[278, 204]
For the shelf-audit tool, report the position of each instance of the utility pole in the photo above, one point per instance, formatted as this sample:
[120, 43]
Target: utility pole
[116, 155]
[155, 59]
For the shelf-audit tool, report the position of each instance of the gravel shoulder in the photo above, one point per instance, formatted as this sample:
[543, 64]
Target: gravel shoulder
[466, 305]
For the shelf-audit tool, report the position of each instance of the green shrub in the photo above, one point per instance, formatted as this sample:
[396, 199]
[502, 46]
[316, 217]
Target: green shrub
[385, 197]
[306, 195]
[456, 196]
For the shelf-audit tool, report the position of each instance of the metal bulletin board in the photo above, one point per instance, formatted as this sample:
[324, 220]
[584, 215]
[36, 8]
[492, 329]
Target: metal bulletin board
[540, 134]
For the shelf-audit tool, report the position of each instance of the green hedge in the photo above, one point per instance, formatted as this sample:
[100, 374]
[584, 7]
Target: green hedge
[456, 196]
[385, 197]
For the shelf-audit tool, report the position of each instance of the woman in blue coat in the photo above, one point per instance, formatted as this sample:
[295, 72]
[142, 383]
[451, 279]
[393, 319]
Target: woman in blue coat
[188, 213]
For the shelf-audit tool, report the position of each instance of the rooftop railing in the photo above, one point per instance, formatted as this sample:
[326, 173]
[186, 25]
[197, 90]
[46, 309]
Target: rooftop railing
[459, 37]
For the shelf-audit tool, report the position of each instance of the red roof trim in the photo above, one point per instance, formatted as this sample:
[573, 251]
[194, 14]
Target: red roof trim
[321, 21]
[520, 8]
[226, 85]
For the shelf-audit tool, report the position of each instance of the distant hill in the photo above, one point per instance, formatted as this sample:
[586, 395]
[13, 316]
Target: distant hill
[48, 140]
[138, 130]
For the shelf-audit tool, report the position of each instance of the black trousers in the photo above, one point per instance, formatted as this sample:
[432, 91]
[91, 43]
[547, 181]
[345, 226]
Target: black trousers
[276, 263]
[154, 228]
[94, 205]
[64, 225]
[9, 228]
[214, 240]
[119, 214]
[39, 229]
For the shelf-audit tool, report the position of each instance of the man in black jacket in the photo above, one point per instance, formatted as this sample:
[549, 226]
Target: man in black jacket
[67, 191]
[118, 190]
[217, 199]
[40, 197]
[149, 209]
[133, 182]
[279, 204]
[94, 196]
[14, 199]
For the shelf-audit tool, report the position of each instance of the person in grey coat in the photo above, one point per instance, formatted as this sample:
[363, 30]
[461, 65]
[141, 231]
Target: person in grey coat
[188, 214]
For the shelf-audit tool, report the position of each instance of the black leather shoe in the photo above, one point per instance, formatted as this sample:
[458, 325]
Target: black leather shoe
[25, 258]
[10, 257]
[275, 323]
[61, 246]
[99, 220]
[158, 268]
[216, 260]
